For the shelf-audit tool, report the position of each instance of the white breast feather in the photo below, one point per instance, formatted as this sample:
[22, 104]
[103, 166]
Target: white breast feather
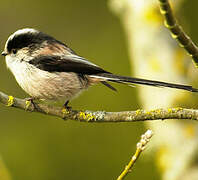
[45, 85]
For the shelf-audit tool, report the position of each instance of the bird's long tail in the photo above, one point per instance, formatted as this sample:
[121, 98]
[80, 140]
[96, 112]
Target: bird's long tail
[130, 80]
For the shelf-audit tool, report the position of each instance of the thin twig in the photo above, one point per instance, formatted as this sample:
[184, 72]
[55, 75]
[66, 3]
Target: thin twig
[101, 116]
[145, 138]
[177, 31]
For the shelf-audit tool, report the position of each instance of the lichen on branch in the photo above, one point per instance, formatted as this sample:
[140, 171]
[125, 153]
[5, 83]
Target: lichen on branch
[101, 116]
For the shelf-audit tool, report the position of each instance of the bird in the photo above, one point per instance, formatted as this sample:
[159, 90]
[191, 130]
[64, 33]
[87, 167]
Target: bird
[47, 69]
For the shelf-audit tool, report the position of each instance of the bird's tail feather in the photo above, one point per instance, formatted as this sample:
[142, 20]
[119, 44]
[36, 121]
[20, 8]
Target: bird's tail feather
[131, 80]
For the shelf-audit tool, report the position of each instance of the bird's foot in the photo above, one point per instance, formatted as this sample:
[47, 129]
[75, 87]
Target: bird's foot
[29, 102]
[66, 109]
[65, 106]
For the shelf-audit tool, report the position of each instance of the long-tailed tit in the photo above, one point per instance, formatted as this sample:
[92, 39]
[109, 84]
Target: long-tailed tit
[48, 69]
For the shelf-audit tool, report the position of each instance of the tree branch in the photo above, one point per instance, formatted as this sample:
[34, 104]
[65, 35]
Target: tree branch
[101, 116]
[177, 31]
[141, 145]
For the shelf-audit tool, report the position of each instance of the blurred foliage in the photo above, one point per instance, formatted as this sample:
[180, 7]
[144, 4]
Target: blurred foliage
[39, 147]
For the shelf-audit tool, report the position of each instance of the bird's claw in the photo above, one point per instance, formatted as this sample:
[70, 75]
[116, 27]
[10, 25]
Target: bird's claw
[65, 111]
[29, 102]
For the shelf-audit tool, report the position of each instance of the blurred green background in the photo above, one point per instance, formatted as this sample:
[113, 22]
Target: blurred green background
[38, 147]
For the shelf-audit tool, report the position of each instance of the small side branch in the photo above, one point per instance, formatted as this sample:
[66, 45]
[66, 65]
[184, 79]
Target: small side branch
[177, 31]
[101, 116]
[145, 138]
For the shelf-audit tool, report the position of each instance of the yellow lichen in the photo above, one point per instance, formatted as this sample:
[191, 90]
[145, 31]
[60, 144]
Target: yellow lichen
[65, 112]
[178, 109]
[10, 100]
[27, 104]
[82, 115]
[87, 116]
[148, 112]
[138, 112]
[158, 111]
[170, 110]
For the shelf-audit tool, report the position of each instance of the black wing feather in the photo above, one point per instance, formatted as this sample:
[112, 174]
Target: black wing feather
[66, 64]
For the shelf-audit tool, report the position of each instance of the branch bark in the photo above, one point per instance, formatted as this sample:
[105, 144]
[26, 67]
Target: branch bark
[141, 145]
[177, 31]
[102, 116]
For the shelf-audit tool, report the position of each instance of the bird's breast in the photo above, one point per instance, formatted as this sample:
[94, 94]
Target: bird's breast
[43, 84]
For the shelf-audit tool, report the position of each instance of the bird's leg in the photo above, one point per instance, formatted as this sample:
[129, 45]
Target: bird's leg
[66, 109]
[29, 101]
[66, 106]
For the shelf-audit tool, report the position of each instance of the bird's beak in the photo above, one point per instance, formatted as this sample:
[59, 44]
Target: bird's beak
[4, 53]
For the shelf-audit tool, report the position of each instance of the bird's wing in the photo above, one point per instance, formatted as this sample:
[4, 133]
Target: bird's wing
[68, 63]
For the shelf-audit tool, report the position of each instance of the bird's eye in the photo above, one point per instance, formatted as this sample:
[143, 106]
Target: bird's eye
[14, 51]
